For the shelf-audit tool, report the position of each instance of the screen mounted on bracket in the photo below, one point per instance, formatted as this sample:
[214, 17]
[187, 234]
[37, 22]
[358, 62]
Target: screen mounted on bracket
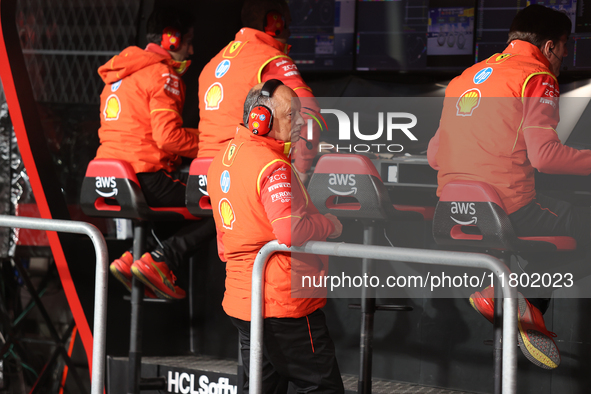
[322, 34]
[415, 35]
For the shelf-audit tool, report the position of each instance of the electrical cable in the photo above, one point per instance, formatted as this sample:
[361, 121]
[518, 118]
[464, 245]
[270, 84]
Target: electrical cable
[157, 240]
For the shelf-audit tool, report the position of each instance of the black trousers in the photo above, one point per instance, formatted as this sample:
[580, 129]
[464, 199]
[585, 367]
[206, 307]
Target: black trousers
[298, 355]
[180, 240]
[549, 216]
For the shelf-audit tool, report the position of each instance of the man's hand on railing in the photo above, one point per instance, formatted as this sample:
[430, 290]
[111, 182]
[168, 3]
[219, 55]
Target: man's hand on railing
[338, 227]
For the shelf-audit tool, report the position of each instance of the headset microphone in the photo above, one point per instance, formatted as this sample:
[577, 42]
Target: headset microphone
[308, 143]
[559, 58]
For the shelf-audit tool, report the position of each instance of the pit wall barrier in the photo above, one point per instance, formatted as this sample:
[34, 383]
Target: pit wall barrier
[100, 292]
[457, 259]
[408, 255]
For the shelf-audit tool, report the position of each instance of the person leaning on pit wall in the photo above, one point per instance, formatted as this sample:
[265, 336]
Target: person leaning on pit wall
[256, 199]
[474, 143]
[141, 123]
[258, 53]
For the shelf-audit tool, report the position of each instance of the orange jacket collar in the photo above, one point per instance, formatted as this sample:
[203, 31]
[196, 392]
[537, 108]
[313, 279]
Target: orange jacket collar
[248, 34]
[525, 48]
[155, 48]
[179, 67]
[273, 144]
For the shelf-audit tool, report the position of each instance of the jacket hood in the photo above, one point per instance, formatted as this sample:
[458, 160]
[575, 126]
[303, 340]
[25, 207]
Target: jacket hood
[133, 59]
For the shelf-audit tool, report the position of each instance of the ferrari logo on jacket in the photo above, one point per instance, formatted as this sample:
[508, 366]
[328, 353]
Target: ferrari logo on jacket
[233, 49]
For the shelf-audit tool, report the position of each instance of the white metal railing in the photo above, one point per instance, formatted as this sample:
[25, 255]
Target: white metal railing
[100, 291]
[421, 256]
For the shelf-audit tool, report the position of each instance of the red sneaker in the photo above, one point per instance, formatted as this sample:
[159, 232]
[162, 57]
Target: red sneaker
[535, 340]
[484, 302]
[121, 269]
[157, 276]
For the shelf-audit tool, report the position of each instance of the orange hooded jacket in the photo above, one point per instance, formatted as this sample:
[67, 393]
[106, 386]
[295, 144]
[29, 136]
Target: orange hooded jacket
[499, 123]
[141, 108]
[253, 57]
[256, 199]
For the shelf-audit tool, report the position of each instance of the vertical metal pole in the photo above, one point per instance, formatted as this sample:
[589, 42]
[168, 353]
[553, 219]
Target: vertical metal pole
[137, 295]
[498, 338]
[192, 317]
[240, 370]
[510, 343]
[368, 307]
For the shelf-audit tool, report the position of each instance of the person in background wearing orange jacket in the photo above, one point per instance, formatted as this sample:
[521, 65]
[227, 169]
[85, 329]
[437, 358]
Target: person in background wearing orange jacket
[258, 53]
[256, 199]
[141, 107]
[474, 143]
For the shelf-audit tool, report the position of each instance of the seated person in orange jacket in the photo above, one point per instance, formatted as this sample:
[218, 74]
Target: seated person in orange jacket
[258, 53]
[474, 143]
[141, 123]
[256, 199]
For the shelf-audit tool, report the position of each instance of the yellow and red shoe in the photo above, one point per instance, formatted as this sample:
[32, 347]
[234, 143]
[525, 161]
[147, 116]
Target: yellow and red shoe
[121, 269]
[484, 303]
[158, 277]
[535, 340]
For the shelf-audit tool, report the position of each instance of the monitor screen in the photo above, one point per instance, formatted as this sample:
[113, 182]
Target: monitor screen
[495, 17]
[322, 34]
[580, 137]
[415, 34]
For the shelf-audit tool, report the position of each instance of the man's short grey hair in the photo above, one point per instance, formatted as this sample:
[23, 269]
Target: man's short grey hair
[253, 99]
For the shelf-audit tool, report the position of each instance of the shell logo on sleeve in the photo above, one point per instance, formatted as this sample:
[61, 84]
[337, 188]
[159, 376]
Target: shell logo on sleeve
[214, 96]
[468, 102]
[226, 213]
[112, 108]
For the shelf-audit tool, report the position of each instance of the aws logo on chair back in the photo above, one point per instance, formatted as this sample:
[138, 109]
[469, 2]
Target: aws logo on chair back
[465, 210]
[108, 186]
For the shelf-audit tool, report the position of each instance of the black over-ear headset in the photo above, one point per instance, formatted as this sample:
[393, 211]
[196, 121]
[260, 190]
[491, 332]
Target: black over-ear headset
[260, 117]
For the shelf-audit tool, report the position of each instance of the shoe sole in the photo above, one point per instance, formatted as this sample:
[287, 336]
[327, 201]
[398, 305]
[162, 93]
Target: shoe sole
[120, 277]
[148, 293]
[531, 350]
[138, 274]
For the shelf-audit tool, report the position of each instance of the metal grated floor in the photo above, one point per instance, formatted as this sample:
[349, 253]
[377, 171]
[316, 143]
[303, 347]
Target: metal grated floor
[391, 387]
[204, 363]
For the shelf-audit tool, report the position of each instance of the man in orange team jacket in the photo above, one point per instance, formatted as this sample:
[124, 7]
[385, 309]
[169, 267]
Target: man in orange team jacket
[258, 53]
[141, 123]
[256, 199]
[498, 124]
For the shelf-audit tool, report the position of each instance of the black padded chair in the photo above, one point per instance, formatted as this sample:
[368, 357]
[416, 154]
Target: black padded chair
[110, 189]
[349, 187]
[470, 216]
[197, 198]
